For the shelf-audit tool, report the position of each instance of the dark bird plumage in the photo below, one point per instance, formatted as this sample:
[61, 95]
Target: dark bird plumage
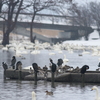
[35, 67]
[5, 66]
[53, 67]
[45, 68]
[60, 61]
[13, 61]
[84, 68]
[18, 64]
[99, 64]
[49, 93]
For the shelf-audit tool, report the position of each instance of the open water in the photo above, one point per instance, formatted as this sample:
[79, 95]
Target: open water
[21, 90]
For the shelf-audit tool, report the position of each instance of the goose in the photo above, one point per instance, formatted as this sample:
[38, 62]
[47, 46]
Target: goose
[33, 95]
[97, 92]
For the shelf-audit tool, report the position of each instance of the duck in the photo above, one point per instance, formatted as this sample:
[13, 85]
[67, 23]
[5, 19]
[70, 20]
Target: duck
[49, 93]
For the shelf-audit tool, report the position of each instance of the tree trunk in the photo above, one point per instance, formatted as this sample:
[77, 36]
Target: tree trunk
[99, 32]
[32, 39]
[5, 38]
[1, 6]
[11, 20]
[31, 32]
[86, 35]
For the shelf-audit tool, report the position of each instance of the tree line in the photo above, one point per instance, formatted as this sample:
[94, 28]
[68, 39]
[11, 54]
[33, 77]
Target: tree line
[86, 15]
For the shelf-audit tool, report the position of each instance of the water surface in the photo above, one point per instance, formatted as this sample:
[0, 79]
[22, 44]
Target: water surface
[21, 90]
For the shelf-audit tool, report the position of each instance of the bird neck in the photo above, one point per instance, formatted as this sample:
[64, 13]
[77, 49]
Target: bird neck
[33, 96]
[65, 56]
[97, 93]
[52, 63]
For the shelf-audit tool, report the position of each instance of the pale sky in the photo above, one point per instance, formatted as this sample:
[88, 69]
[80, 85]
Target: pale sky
[86, 1]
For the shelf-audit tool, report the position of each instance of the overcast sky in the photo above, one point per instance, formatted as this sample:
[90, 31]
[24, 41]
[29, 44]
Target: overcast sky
[86, 1]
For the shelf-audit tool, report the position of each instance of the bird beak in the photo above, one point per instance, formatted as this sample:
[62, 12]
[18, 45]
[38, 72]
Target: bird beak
[91, 89]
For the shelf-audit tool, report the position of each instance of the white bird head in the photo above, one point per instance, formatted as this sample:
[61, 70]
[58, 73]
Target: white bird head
[97, 92]
[94, 88]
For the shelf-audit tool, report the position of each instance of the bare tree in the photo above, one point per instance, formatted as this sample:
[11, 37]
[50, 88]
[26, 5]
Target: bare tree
[40, 5]
[1, 3]
[12, 7]
[81, 16]
[95, 13]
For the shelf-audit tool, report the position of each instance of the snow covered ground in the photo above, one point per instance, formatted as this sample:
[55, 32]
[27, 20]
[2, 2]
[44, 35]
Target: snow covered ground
[94, 40]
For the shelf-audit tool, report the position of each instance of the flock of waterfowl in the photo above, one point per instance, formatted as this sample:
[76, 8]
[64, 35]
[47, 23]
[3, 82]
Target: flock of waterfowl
[25, 47]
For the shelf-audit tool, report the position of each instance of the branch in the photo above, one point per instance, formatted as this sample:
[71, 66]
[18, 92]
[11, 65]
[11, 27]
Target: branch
[3, 18]
[17, 13]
